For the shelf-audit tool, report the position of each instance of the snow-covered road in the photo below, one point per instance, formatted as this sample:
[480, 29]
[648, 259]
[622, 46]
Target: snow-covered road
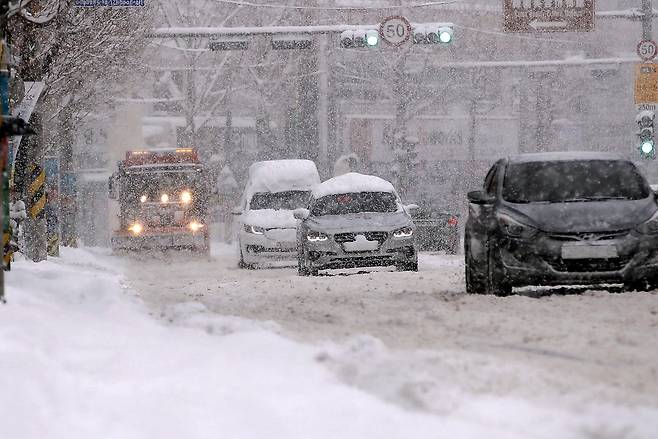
[418, 341]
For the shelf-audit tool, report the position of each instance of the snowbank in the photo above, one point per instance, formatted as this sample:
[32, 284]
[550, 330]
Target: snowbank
[352, 183]
[80, 358]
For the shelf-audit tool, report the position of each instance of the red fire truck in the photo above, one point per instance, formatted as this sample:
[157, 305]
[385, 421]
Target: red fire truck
[162, 196]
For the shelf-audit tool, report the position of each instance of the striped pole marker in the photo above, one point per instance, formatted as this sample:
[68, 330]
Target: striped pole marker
[36, 192]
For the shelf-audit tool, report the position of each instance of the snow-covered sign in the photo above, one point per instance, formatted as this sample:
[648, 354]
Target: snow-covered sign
[24, 110]
[526, 16]
[395, 30]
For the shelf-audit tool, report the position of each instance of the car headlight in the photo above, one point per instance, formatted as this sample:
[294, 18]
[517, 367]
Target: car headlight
[195, 226]
[514, 228]
[143, 199]
[164, 198]
[186, 197]
[314, 236]
[650, 227]
[136, 228]
[404, 232]
[256, 230]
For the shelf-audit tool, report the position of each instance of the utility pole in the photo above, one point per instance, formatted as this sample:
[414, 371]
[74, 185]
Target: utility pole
[647, 19]
[4, 141]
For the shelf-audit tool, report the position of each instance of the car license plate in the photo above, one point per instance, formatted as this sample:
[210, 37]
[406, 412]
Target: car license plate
[586, 251]
[361, 244]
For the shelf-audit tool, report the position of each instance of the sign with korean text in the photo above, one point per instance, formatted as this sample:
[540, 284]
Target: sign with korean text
[548, 15]
[646, 83]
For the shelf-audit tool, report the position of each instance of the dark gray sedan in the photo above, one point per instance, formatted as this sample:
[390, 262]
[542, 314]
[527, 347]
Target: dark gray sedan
[562, 219]
[354, 221]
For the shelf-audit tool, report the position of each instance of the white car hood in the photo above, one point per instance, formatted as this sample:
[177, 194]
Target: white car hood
[270, 219]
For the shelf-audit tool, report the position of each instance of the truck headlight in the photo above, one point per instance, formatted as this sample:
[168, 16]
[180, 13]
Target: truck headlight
[314, 236]
[404, 232]
[649, 227]
[186, 197]
[136, 228]
[256, 230]
[195, 226]
[515, 229]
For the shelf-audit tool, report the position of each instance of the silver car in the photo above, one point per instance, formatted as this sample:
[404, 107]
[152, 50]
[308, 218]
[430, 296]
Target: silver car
[354, 221]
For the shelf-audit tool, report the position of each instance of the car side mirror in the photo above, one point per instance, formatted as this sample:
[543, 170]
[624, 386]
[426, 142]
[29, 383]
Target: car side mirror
[411, 208]
[480, 197]
[301, 214]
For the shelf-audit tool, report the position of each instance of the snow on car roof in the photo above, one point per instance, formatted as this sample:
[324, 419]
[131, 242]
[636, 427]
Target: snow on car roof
[563, 156]
[352, 182]
[282, 175]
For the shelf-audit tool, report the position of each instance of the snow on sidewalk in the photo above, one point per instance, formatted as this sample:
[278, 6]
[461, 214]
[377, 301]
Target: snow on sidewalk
[81, 358]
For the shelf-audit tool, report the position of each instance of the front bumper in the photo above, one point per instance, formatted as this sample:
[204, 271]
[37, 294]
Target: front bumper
[330, 254]
[160, 239]
[268, 247]
[540, 261]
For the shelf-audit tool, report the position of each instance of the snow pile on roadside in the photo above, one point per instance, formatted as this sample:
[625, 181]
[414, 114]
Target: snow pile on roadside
[441, 383]
[80, 358]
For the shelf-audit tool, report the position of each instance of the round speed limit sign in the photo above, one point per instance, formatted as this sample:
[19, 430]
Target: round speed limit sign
[395, 30]
[647, 50]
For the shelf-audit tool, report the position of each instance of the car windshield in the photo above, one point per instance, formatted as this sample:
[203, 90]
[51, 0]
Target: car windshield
[341, 204]
[569, 181]
[288, 200]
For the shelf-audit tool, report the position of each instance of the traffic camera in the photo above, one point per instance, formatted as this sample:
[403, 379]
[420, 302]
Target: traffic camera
[359, 38]
[645, 121]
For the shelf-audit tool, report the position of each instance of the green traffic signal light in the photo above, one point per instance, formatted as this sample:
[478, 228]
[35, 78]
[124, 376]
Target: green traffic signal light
[648, 147]
[445, 35]
[372, 38]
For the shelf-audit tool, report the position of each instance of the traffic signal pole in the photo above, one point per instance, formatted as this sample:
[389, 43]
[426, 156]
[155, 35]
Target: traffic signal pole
[647, 19]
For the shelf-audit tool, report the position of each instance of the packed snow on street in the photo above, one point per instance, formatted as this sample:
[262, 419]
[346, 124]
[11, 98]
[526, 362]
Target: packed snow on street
[95, 345]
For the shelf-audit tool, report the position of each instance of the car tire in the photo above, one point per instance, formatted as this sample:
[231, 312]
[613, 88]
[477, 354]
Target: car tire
[641, 286]
[243, 265]
[497, 284]
[407, 266]
[475, 273]
[485, 277]
[304, 266]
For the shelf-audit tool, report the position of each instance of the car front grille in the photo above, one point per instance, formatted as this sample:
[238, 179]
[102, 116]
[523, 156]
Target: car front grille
[370, 236]
[585, 237]
[589, 265]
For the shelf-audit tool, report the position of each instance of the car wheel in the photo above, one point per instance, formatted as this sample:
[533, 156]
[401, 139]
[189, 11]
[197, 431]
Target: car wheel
[407, 266]
[496, 282]
[475, 271]
[641, 285]
[242, 264]
[304, 266]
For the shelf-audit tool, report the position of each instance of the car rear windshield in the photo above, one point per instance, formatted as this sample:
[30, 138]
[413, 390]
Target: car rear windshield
[569, 181]
[341, 204]
[287, 200]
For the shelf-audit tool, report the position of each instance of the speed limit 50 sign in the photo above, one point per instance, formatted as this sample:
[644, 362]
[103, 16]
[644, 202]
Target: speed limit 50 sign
[395, 30]
[646, 49]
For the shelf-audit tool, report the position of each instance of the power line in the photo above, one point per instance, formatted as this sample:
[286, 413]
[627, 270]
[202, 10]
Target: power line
[335, 8]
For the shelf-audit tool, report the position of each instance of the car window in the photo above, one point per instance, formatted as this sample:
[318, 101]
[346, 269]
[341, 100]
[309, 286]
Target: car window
[567, 181]
[288, 200]
[341, 204]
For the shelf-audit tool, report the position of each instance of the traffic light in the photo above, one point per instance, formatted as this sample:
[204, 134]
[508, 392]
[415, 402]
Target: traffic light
[432, 33]
[647, 143]
[359, 38]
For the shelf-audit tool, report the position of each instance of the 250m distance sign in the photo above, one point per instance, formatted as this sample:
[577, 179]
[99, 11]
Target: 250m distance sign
[395, 30]
[647, 50]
